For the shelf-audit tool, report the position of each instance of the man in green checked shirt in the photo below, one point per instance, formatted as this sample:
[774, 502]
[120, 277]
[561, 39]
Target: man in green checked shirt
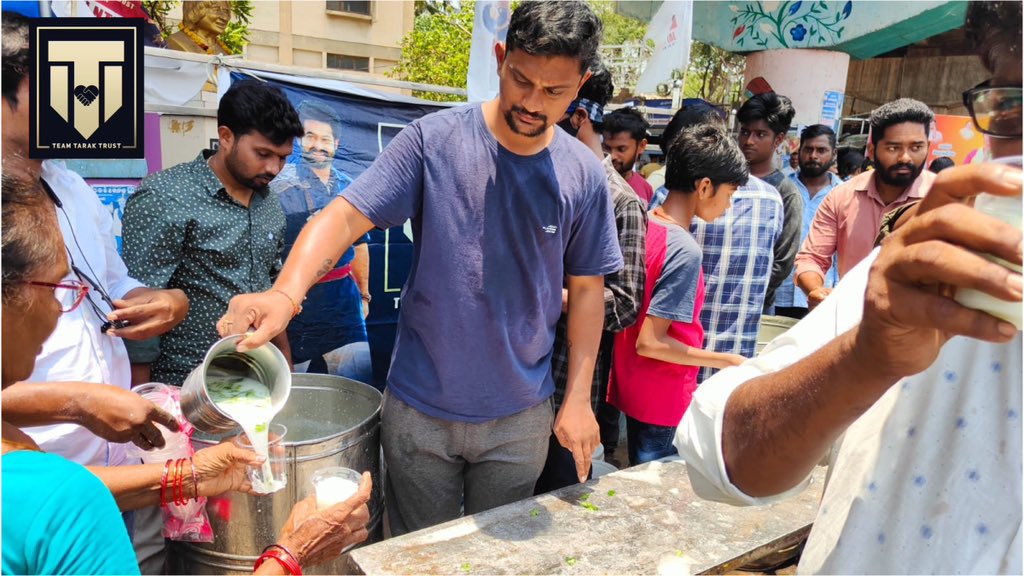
[212, 227]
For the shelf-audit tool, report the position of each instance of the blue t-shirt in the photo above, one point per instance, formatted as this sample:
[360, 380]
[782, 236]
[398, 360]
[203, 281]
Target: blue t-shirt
[675, 291]
[58, 518]
[494, 234]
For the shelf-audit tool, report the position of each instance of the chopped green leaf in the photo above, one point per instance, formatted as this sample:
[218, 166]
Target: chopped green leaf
[570, 560]
[679, 553]
[611, 492]
[535, 512]
[466, 567]
[585, 497]
[590, 506]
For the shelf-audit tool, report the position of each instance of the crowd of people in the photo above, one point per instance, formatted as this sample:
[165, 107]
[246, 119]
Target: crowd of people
[553, 289]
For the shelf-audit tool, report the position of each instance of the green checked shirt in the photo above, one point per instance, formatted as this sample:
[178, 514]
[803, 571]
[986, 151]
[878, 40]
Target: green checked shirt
[183, 230]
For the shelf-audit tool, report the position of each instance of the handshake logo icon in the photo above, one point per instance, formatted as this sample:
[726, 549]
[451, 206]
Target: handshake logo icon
[86, 94]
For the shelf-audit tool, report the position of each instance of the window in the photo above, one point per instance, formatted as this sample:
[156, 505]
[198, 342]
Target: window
[350, 6]
[345, 62]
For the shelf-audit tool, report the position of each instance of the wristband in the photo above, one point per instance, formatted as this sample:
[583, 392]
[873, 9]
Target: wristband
[296, 307]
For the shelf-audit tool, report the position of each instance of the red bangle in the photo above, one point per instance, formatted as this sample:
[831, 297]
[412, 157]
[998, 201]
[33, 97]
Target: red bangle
[174, 482]
[163, 483]
[283, 556]
[179, 499]
[195, 478]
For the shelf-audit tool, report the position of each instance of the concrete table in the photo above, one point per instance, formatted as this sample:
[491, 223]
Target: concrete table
[634, 521]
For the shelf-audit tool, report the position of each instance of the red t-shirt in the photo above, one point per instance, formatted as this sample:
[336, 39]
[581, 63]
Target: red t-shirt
[649, 390]
[640, 186]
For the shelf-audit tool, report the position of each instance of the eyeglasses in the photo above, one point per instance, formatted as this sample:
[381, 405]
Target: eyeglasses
[70, 293]
[996, 110]
[105, 325]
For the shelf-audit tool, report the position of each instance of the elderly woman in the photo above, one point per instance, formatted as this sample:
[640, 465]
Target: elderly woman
[58, 517]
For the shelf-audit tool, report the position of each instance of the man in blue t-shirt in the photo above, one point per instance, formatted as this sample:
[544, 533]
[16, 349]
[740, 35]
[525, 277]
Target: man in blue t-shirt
[503, 207]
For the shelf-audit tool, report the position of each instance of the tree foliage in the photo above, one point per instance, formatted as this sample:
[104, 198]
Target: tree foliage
[618, 29]
[436, 51]
[714, 74]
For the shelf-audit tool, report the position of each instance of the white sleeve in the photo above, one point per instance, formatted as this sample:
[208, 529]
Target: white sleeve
[699, 435]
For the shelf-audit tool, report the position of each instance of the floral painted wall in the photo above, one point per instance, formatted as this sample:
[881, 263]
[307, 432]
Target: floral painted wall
[861, 28]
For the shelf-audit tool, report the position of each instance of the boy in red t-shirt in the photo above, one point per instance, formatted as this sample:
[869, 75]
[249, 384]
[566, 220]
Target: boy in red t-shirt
[654, 371]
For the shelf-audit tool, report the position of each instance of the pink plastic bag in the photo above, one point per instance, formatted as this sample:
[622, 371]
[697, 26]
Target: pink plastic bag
[189, 522]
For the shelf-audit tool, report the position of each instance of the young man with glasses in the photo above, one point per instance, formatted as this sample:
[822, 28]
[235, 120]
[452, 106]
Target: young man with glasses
[914, 400]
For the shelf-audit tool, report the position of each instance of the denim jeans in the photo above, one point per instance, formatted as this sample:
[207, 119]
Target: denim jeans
[648, 442]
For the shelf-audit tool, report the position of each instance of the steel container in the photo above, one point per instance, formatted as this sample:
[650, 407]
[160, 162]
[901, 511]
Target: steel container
[332, 421]
[266, 364]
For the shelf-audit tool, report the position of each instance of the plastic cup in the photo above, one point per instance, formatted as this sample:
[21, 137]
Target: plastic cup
[273, 474]
[175, 443]
[335, 484]
[1007, 209]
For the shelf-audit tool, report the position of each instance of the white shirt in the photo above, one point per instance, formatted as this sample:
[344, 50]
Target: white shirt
[928, 480]
[77, 351]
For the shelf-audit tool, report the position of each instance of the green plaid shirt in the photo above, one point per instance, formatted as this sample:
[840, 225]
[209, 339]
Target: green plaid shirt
[181, 229]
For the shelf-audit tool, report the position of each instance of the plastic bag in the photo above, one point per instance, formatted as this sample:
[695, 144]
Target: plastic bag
[188, 522]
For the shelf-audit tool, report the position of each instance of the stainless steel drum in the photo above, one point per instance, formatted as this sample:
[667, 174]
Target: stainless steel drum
[332, 421]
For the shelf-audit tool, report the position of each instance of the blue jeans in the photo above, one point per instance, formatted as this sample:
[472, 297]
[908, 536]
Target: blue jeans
[646, 442]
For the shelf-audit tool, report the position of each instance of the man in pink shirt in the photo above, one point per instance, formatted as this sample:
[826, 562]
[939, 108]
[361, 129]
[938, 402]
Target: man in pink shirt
[847, 220]
[625, 139]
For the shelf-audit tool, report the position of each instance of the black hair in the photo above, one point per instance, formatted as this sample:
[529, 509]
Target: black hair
[568, 28]
[815, 130]
[848, 162]
[899, 112]
[776, 110]
[254, 105]
[626, 120]
[15, 54]
[992, 28]
[688, 115]
[31, 238]
[599, 87]
[940, 164]
[312, 109]
[704, 151]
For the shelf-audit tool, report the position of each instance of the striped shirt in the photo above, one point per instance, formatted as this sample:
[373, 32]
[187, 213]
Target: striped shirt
[738, 253]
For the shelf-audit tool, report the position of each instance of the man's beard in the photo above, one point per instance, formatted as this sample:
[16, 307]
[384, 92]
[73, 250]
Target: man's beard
[888, 176]
[510, 119]
[814, 170]
[624, 168]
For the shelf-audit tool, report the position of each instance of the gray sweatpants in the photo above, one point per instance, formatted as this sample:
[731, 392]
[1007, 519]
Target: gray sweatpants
[437, 467]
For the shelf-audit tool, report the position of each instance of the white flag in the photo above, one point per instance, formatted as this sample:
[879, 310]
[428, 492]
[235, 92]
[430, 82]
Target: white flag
[671, 30]
[490, 25]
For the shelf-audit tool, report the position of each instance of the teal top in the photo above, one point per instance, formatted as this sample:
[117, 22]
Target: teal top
[58, 518]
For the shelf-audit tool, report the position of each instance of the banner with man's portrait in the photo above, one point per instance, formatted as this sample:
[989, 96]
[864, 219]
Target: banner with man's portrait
[368, 122]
